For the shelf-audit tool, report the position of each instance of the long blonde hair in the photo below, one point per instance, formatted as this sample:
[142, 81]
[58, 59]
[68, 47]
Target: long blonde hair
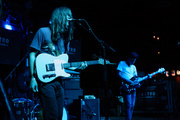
[59, 27]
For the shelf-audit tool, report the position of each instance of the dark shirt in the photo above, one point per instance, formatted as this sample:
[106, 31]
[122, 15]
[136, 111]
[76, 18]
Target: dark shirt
[43, 43]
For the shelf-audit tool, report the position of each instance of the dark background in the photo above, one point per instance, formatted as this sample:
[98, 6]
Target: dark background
[125, 25]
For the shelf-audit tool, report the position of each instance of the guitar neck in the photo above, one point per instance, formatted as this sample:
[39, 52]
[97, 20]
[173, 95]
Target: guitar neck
[146, 77]
[77, 64]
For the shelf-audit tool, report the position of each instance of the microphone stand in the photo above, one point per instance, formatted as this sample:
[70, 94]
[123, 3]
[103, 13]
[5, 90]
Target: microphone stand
[10, 74]
[3, 90]
[16, 66]
[6, 101]
[104, 45]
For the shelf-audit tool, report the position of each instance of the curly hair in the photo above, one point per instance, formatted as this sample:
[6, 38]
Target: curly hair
[60, 26]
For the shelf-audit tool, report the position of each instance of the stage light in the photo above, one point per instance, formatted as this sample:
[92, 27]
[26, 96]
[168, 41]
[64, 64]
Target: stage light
[178, 72]
[173, 73]
[167, 73]
[8, 27]
[157, 38]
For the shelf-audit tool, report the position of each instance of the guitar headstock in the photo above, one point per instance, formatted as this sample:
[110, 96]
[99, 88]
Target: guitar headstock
[101, 61]
[161, 70]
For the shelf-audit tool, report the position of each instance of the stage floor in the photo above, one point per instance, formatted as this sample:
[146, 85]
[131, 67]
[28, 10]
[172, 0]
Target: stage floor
[147, 118]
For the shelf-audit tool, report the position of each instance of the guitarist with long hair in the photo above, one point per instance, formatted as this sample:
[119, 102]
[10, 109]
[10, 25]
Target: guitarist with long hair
[53, 40]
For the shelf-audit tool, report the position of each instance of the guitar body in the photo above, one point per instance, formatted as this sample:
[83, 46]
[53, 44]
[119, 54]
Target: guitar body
[128, 88]
[50, 67]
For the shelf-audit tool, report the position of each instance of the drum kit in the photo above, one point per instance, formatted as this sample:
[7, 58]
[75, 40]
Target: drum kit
[26, 109]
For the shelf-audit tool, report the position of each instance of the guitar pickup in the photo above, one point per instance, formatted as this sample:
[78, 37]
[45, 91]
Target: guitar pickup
[49, 76]
[50, 67]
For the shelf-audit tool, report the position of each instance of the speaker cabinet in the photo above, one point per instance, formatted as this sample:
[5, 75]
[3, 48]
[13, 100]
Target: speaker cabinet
[155, 97]
[9, 46]
[85, 109]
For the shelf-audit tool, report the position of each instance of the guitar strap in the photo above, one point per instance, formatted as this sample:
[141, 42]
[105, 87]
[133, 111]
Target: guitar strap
[51, 48]
[60, 47]
[57, 48]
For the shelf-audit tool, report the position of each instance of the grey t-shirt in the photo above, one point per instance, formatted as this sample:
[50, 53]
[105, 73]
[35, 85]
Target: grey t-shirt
[43, 43]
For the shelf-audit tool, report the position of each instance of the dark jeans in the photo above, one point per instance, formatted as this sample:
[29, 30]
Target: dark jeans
[52, 99]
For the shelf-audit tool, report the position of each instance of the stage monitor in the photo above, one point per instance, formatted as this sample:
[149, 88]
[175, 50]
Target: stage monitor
[9, 46]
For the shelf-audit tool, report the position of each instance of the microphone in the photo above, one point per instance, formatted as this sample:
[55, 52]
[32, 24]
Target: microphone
[94, 114]
[75, 19]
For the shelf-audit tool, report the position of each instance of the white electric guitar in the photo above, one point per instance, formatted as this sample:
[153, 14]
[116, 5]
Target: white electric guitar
[49, 67]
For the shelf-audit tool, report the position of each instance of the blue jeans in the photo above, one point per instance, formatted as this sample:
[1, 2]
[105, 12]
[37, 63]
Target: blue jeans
[129, 104]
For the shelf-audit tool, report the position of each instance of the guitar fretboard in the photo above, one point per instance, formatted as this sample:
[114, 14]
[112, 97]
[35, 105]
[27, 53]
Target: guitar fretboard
[77, 64]
[145, 77]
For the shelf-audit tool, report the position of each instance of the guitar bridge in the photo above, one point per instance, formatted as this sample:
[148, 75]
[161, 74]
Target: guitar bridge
[49, 76]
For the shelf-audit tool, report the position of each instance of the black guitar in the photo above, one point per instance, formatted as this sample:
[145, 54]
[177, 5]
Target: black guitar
[129, 87]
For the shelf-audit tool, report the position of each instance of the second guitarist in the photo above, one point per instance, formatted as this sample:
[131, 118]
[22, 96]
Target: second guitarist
[126, 71]
[130, 81]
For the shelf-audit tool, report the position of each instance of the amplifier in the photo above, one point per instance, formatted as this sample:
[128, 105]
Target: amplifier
[10, 46]
[85, 109]
[73, 84]
[155, 97]
[90, 109]
[71, 95]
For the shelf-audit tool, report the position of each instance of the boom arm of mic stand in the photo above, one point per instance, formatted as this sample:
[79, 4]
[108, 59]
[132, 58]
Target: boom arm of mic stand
[90, 30]
[16, 66]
